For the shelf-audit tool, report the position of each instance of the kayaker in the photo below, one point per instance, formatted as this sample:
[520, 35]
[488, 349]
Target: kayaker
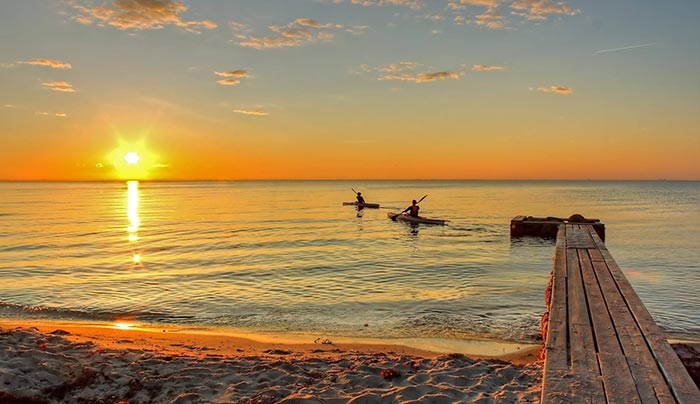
[360, 199]
[413, 209]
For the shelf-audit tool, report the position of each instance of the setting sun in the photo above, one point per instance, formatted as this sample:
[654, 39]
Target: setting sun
[132, 158]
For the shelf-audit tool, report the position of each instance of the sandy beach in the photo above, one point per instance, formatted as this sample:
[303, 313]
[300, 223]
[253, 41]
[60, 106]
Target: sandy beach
[59, 362]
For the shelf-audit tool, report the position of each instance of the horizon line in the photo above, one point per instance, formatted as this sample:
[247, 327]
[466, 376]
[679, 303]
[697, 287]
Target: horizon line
[348, 180]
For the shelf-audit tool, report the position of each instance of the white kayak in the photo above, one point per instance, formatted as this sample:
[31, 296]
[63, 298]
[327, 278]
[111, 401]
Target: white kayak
[405, 217]
[363, 205]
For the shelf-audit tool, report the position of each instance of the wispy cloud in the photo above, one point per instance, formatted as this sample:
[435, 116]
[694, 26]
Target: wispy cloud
[397, 67]
[61, 86]
[137, 15]
[485, 68]
[9, 106]
[402, 72]
[421, 77]
[56, 114]
[541, 9]
[251, 112]
[357, 30]
[497, 11]
[485, 3]
[229, 82]
[555, 89]
[491, 18]
[232, 77]
[47, 62]
[626, 47]
[233, 73]
[414, 4]
[297, 33]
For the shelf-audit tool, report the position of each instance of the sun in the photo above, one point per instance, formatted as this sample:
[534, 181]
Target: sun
[134, 161]
[132, 158]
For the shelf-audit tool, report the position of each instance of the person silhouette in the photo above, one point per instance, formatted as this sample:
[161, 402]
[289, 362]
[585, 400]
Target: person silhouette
[413, 209]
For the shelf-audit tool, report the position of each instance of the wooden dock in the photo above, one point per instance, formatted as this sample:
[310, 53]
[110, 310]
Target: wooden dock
[601, 343]
[548, 227]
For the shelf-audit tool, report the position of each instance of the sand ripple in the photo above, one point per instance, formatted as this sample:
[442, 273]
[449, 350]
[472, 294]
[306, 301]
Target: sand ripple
[40, 367]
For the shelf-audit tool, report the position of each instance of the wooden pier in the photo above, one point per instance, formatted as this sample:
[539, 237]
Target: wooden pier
[601, 343]
[549, 226]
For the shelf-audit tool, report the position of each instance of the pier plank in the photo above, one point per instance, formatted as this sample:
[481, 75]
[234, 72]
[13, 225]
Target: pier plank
[679, 381]
[617, 377]
[601, 343]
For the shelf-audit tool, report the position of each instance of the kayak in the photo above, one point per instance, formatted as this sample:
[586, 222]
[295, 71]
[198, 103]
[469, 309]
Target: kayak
[405, 217]
[363, 205]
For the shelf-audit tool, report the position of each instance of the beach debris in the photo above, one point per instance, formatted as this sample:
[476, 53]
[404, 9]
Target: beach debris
[325, 341]
[389, 374]
[277, 352]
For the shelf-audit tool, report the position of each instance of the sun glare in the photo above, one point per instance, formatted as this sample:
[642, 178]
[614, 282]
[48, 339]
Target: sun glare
[134, 161]
[132, 158]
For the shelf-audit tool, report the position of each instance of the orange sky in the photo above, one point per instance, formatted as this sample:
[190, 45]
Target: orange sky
[335, 90]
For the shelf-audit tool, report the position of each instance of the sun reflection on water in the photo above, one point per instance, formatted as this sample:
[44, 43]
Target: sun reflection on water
[132, 209]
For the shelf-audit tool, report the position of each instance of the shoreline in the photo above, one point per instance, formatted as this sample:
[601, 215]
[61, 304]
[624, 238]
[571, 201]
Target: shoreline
[228, 340]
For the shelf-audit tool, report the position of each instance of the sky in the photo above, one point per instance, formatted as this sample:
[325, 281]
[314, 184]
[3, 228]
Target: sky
[349, 89]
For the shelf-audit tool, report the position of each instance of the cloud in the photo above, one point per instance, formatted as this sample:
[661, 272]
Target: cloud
[491, 18]
[296, 33]
[231, 77]
[9, 106]
[485, 68]
[229, 82]
[56, 114]
[433, 17]
[233, 73]
[398, 71]
[541, 9]
[484, 3]
[239, 27]
[421, 77]
[47, 62]
[357, 30]
[414, 4]
[137, 15]
[59, 86]
[251, 112]
[495, 15]
[556, 89]
[397, 67]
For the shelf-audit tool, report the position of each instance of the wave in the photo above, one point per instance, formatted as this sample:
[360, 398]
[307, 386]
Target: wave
[13, 310]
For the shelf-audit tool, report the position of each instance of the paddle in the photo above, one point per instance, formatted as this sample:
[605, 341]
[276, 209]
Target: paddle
[397, 215]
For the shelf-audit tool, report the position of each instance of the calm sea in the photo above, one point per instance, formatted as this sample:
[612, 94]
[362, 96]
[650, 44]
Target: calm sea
[287, 257]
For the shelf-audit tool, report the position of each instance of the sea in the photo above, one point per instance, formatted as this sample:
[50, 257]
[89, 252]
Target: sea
[288, 258]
